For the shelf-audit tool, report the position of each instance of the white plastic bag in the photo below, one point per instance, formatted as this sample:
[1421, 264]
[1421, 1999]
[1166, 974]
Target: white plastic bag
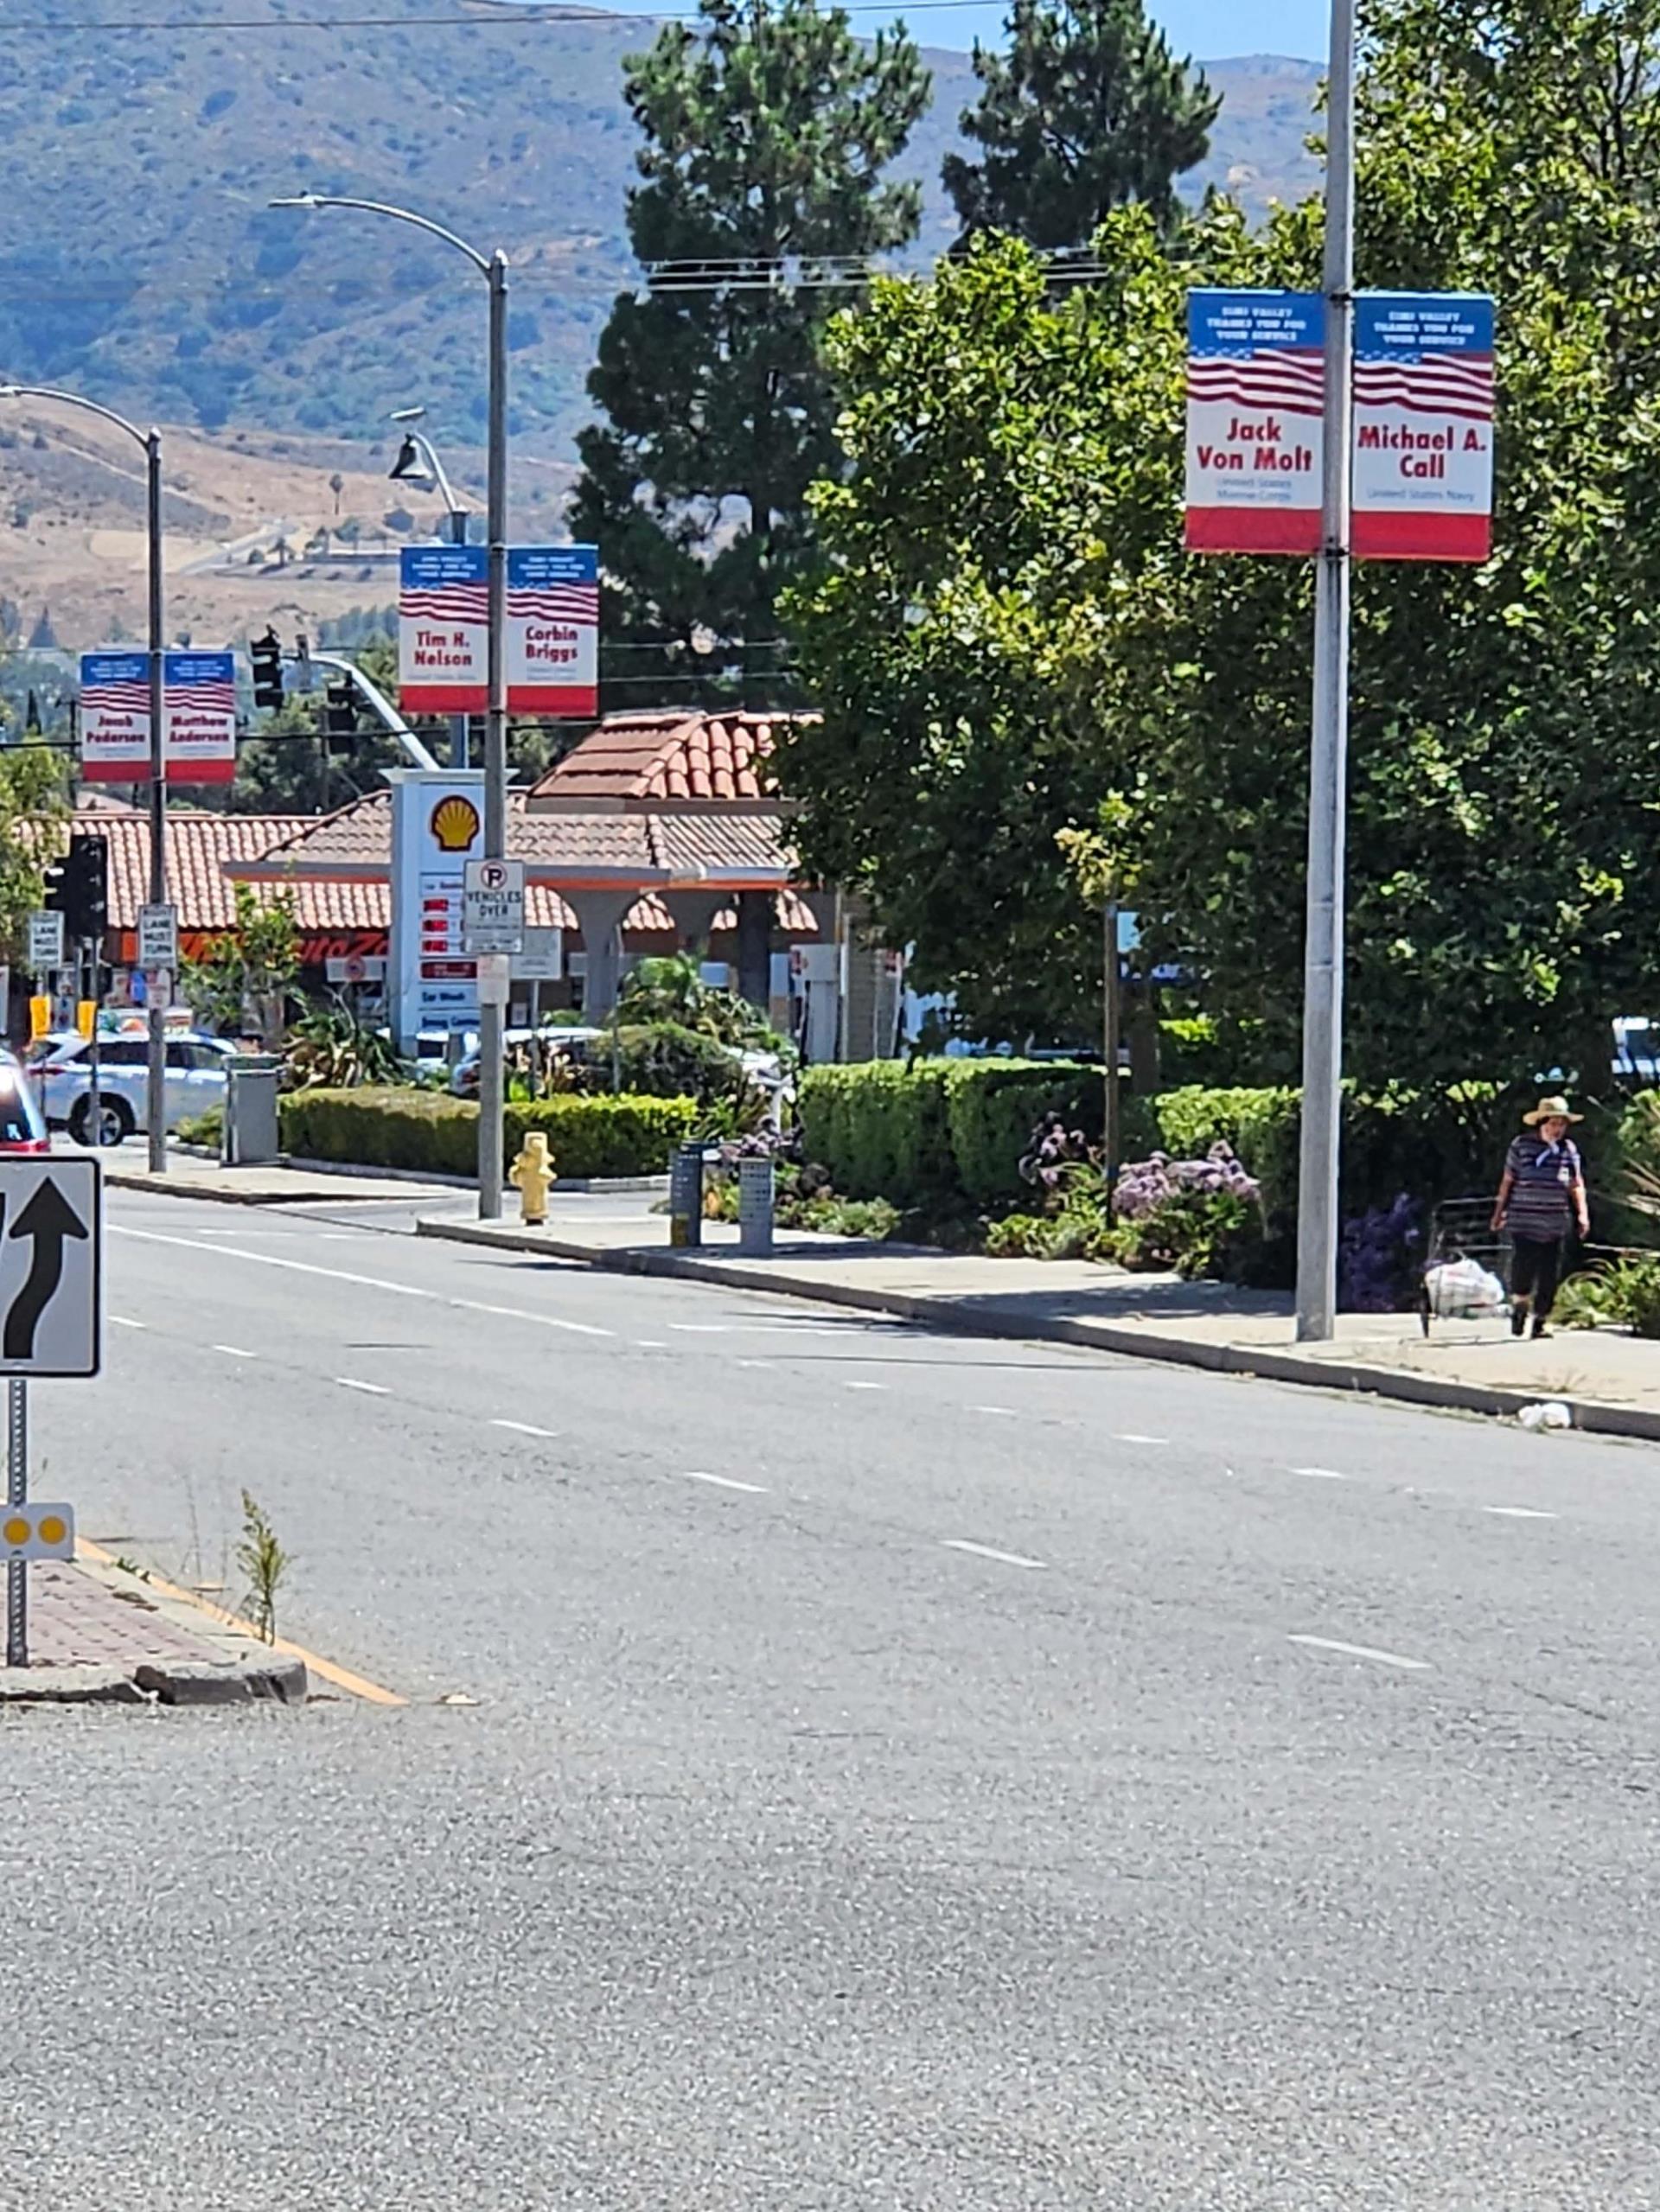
[1463, 1290]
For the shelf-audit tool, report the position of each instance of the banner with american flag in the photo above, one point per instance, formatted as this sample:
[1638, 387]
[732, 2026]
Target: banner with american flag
[1423, 473]
[553, 629]
[443, 610]
[200, 696]
[1254, 415]
[115, 717]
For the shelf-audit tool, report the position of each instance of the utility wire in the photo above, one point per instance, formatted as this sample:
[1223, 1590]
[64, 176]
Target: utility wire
[531, 18]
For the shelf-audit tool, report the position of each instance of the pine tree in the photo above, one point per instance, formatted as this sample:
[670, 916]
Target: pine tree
[1087, 112]
[767, 129]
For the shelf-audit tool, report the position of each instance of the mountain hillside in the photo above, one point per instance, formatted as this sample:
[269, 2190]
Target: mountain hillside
[140, 260]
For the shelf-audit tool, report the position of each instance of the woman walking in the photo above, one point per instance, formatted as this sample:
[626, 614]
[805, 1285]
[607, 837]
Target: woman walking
[1540, 1198]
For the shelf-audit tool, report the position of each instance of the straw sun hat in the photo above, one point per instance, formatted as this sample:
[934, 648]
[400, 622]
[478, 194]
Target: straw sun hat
[1550, 1110]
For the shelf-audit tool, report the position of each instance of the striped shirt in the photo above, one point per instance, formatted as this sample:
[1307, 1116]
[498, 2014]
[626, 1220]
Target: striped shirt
[1540, 1203]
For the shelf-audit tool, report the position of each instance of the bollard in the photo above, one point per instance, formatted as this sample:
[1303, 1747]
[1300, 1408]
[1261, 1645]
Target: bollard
[685, 1196]
[755, 1190]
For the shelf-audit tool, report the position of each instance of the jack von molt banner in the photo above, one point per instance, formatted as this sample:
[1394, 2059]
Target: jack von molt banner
[1255, 409]
[444, 607]
[1423, 458]
[552, 637]
[200, 704]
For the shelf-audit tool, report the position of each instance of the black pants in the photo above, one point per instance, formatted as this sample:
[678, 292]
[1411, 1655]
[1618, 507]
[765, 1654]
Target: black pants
[1535, 1270]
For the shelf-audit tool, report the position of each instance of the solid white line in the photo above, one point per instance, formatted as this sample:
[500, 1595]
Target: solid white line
[122, 1322]
[723, 1481]
[1007, 1409]
[524, 1428]
[864, 1386]
[374, 1389]
[235, 1352]
[1321, 1474]
[1519, 1513]
[703, 1328]
[1362, 1651]
[1129, 1436]
[986, 1552]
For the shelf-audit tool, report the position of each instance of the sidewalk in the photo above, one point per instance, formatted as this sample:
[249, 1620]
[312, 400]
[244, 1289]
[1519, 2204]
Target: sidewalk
[98, 1635]
[1611, 1382]
[190, 1174]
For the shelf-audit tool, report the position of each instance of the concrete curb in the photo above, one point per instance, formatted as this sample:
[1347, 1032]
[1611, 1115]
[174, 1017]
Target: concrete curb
[275, 1679]
[1593, 1415]
[141, 1179]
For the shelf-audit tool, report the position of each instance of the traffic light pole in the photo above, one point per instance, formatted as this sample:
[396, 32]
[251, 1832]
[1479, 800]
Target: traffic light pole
[155, 1083]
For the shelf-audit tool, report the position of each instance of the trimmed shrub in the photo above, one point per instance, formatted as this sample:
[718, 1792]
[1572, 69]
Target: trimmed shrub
[937, 1129]
[436, 1135]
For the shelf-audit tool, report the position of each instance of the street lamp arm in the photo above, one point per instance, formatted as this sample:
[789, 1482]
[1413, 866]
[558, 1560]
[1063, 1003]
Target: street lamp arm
[428, 451]
[480, 261]
[75, 399]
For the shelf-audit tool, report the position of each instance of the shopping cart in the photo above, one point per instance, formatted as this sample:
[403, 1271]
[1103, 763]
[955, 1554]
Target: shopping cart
[1467, 1267]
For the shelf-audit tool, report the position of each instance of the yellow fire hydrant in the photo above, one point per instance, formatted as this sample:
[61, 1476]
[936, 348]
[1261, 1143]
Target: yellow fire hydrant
[534, 1173]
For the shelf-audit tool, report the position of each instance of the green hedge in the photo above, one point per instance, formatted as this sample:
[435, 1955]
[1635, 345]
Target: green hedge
[426, 1131]
[937, 1129]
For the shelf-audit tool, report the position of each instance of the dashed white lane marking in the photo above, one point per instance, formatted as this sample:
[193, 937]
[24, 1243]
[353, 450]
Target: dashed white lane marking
[1006, 1410]
[524, 1428]
[374, 1389]
[1132, 1435]
[121, 1321]
[988, 1552]
[723, 1481]
[235, 1352]
[1363, 1651]
[1519, 1513]
[649, 1344]
[545, 1320]
[864, 1386]
[768, 1364]
[1321, 1474]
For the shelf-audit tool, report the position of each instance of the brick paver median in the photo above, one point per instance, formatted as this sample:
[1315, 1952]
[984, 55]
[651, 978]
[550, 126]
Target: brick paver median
[75, 1621]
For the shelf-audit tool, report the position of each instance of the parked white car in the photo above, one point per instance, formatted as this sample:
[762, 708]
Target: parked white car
[60, 1068]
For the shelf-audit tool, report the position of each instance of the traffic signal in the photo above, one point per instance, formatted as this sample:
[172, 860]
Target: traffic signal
[77, 886]
[340, 716]
[267, 654]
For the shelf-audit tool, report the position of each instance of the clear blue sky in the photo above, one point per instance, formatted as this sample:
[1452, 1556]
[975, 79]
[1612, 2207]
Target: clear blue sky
[1209, 29]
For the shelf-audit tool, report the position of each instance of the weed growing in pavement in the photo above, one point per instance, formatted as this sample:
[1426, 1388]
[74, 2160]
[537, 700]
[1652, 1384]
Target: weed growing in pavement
[265, 1564]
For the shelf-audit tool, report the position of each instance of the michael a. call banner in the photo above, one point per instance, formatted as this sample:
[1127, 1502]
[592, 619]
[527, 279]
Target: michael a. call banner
[1423, 473]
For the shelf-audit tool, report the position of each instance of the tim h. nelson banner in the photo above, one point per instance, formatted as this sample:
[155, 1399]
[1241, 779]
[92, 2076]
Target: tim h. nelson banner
[199, 690]
[1422, 458]
[444, 594]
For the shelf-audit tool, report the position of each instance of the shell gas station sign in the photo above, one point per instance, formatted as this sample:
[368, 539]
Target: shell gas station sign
[437, 826]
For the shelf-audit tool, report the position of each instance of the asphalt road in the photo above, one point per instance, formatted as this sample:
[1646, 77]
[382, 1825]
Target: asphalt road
[907, 1774]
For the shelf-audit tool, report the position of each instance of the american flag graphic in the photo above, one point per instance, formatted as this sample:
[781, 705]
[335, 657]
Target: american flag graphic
[1290, 380]
[554, 602]
[454, 603]
[115, 696]
[1460, 384]
[207, 695]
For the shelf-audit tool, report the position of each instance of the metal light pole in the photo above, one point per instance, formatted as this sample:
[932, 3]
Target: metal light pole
[418, 453]
[1316, 1189]
[492, 1074]
[155, 1085]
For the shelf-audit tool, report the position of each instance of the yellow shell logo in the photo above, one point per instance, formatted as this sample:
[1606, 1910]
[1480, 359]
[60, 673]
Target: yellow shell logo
[455, 824]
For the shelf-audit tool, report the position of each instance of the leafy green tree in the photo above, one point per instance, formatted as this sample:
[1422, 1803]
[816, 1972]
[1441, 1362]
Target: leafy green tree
[1012, 645]
[767, 130]
[246, 976]
[1088, 110]
[33, 815]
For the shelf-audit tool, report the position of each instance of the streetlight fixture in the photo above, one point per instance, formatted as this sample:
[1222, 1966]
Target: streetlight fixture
[418, 463]
[493, 267]
[151, 440]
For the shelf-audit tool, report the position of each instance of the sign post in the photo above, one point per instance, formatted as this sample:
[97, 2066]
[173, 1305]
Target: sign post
[51, 1265]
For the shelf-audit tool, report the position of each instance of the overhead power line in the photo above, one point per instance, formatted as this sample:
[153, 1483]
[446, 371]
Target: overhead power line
[532, 19]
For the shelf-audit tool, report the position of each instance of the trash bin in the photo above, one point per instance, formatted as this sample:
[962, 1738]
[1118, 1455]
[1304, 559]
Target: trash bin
[251, 1130]
[686, 1195]
[755, 1189]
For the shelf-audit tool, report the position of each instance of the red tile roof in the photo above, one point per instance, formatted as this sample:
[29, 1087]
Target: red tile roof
[667, 761]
